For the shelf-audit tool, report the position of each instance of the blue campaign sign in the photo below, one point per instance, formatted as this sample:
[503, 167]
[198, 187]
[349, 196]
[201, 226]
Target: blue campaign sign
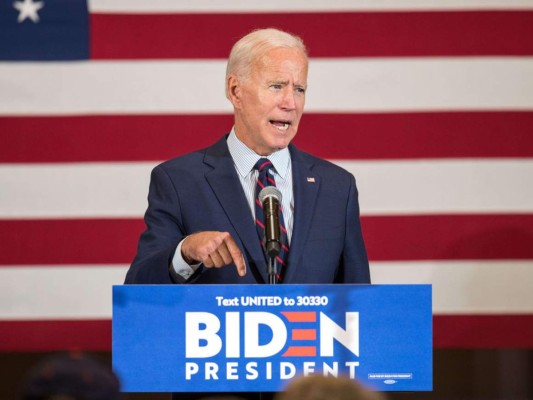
[245, 338]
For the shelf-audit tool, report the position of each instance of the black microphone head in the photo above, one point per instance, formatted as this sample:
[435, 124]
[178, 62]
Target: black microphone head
[269, 191]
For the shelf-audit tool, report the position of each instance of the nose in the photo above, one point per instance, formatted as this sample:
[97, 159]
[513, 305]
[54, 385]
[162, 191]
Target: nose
[288, 102]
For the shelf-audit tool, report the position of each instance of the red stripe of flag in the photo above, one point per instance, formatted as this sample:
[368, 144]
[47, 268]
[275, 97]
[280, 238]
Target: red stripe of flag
[449, 331]
[87, 335]
[363, 136]
[448, 237]
[64, 241]
[418, 135]
[483, 331]
[107, 138]
[345, 34]
[387, 238]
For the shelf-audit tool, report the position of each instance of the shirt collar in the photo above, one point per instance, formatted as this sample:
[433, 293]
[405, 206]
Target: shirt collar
[245, 158]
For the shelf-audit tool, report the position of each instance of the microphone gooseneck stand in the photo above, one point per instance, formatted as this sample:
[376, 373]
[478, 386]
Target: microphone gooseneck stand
[272, 250]
[271, 270]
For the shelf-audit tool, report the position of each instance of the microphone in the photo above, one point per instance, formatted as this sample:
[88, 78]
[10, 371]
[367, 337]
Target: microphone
[270, 198]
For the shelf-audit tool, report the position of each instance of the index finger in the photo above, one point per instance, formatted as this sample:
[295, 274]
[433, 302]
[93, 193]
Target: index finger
[236, 255]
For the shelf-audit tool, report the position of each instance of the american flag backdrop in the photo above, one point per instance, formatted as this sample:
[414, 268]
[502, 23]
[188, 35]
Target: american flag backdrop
[428, 104]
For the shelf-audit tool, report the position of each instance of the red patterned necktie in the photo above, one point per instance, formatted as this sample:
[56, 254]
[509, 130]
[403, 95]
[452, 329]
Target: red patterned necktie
[264, 179]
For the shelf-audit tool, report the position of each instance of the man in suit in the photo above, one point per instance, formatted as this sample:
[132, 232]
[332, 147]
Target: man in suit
[200, 222]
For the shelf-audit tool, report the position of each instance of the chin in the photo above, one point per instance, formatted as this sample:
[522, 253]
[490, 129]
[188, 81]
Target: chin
[281, 144]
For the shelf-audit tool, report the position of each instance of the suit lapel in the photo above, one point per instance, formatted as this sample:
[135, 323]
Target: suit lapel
[305, 186]
[225, 184]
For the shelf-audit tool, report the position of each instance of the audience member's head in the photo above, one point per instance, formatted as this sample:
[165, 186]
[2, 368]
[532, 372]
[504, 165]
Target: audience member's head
[72, 376]
[318, 387]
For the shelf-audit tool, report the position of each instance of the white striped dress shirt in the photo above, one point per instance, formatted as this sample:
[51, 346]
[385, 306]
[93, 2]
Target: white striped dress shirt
[244, 160]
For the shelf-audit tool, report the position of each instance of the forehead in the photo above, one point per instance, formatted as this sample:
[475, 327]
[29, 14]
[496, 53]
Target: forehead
[282, 61]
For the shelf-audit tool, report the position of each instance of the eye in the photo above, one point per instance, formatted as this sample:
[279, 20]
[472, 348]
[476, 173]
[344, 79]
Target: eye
[300, 90]
[276, 86]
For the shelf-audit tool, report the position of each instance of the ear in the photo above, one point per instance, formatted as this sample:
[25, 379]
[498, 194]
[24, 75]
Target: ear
[233, 90]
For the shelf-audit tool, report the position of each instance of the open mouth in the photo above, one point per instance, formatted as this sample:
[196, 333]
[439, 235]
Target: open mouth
[280, 125]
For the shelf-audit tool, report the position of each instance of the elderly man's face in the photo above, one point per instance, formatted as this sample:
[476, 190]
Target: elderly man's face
[270, 102]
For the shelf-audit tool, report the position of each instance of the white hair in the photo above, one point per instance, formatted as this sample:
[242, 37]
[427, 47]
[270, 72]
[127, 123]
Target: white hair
[254, 45]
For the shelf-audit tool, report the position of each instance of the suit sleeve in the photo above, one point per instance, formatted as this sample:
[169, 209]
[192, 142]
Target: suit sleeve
[163, 232]
[354, 267]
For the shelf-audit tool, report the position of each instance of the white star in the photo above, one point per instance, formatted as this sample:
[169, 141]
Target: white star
[28, 9]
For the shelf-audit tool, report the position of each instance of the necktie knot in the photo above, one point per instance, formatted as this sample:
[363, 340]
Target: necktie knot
[263, 164]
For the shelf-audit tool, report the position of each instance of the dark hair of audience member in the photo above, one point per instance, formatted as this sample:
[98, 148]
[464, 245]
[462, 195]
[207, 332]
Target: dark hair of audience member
[71, 376]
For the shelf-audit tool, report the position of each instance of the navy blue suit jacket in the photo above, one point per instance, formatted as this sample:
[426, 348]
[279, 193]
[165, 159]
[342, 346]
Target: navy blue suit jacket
[201, 191]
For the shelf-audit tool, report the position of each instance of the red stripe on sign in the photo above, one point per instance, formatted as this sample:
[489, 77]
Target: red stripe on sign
[387, 238]
[363, 136]
[483, 331]
[78, 241]
[300, 351]
[87, 335]
[303, 334]
[357, 34]
[449, 331]
[448, 237]
[300, 316]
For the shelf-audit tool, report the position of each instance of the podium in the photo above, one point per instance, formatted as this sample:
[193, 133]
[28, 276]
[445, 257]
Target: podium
[246, 338]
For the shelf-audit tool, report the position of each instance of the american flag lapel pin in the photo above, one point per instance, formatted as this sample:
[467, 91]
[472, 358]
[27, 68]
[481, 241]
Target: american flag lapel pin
[310, 179]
